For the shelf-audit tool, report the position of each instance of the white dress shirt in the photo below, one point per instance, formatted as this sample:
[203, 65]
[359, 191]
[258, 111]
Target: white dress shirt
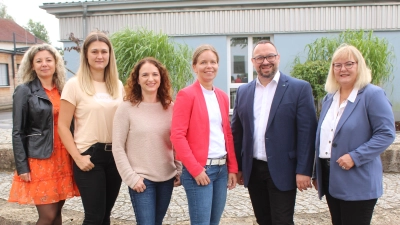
[216, 147]
[328, 126]
[263, 97]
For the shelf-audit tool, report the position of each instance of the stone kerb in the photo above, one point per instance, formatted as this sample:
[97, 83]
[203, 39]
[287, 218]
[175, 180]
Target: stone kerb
[390, 157]
[6, 157]
[6, 153]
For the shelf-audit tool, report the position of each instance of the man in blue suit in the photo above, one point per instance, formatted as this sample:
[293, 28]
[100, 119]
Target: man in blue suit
[274, 125]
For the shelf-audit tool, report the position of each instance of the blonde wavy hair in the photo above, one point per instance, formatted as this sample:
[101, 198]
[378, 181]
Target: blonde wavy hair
[110, 73]
[346, 51]
[27, 74]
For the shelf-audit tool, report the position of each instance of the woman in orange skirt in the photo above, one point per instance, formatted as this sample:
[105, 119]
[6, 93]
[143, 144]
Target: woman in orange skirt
[43, 174]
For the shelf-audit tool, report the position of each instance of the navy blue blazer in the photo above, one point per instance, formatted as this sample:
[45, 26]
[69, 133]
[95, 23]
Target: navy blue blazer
[290, 134]
[364, 131]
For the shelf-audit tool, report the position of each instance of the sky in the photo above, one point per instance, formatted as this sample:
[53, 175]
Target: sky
[23, 10]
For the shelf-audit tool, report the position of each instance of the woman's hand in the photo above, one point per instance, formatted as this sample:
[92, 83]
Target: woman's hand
[177, 181]
[139, 186]
[202, 178]
[345, 162]
[84, 163]
[232, 179]
[25, 177]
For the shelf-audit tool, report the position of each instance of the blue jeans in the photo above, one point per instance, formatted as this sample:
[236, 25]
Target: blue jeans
[206, 203]
[151, 205]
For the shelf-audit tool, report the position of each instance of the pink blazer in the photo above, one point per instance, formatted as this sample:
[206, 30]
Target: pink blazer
[190, 129]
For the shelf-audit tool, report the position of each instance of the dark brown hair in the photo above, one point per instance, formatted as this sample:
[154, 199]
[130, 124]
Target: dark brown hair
[134, 91]
[263, 42]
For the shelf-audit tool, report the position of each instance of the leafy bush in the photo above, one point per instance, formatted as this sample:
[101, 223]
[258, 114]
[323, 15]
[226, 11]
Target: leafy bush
[315, 73]
[377, 52]
[130, 46]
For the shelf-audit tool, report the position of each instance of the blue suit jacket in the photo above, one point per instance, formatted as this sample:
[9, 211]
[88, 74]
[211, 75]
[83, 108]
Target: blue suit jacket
[290, 134]
[365, 130]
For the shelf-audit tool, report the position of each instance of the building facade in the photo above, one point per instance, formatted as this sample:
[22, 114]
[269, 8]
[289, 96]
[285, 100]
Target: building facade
[14, 40]
[234, 26]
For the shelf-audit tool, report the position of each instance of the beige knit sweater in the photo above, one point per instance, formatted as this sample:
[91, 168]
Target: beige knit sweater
[141, 143]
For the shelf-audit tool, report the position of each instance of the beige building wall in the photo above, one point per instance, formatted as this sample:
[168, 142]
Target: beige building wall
[6, 92]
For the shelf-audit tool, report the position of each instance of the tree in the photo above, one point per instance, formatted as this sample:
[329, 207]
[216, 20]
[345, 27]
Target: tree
[3, 12]
[130, 46]
[377, 52]
[77, 42]
[38, 29]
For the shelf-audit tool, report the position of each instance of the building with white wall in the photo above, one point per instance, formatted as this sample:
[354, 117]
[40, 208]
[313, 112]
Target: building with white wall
[234, 26]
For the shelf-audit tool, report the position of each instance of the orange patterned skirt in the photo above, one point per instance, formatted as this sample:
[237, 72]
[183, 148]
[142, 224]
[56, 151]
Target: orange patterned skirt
[51, 180]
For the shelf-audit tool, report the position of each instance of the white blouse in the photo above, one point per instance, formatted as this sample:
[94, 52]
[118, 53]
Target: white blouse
[330, 122]
[216, 147]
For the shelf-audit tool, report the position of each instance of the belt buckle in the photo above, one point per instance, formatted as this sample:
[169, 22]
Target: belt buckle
[216, 162]
[108, 149]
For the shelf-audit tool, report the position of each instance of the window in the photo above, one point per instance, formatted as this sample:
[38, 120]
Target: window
[4, 81]
[240, 63]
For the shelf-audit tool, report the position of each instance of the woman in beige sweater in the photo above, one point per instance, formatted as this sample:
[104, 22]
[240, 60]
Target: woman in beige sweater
[141, 145]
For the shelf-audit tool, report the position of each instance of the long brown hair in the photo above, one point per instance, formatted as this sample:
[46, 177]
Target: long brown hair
[134, 91]
[110, 72]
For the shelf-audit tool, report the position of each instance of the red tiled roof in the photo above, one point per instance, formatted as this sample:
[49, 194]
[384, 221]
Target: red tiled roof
[8, 27]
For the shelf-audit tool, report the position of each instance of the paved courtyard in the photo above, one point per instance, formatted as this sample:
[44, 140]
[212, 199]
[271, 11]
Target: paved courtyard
[309, 209]
[238, 204]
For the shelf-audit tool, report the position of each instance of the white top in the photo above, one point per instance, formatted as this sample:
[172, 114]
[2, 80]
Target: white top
[328, 126]
[216, 147]
[93, 115]
[263, 97]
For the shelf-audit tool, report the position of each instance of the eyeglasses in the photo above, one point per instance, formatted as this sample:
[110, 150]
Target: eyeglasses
[347, 65]
[270, 58]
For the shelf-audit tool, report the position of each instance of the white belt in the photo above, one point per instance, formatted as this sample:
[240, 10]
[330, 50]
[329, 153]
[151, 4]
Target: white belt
[216, 162]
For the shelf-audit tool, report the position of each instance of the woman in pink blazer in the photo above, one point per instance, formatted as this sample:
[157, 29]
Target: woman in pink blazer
[202, 139]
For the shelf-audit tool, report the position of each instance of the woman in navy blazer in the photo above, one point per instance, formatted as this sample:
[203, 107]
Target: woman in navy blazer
[356, 125]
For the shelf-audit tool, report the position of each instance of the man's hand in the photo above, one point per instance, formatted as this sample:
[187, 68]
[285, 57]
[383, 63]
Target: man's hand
[303, 182]
[239, 176]
[315, 184]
